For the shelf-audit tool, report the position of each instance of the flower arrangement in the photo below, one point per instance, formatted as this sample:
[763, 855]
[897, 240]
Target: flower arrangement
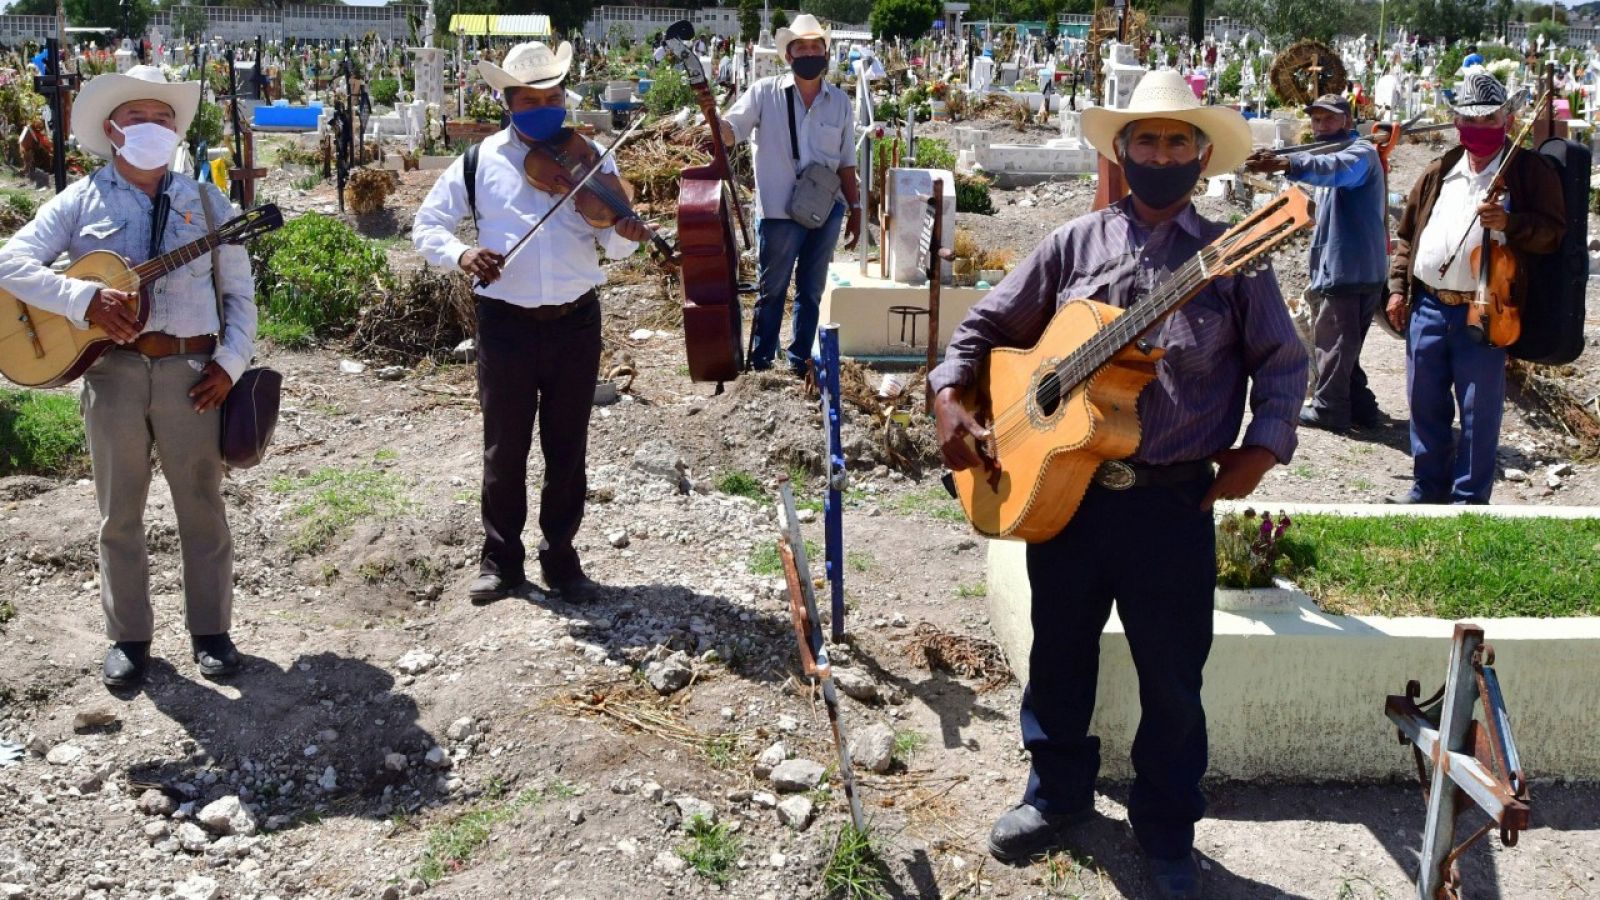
[483, 107]
[939, 90]
[1250, 549]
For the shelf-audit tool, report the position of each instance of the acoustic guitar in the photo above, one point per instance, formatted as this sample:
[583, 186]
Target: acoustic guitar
[1059, 409]
[44, 349]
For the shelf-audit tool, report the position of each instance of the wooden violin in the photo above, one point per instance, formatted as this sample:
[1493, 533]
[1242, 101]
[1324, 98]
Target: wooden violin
[556, 165]
[709, 255]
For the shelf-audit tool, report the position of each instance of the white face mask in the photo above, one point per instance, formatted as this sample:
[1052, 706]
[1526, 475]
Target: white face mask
[147, 145]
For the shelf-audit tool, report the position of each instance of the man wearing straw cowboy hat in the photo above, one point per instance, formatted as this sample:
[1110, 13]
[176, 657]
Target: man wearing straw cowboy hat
[1145, 541]
[162, 386]
[1431, 280]
[800, 121]
[538, 337]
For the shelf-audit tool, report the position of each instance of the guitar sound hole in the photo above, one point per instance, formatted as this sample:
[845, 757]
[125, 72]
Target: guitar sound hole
[1047, 394]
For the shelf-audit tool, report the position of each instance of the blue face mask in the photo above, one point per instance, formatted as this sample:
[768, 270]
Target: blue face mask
[539, 124]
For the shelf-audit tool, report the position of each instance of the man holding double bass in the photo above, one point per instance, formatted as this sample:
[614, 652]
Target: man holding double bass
[163, 385]
[538, 335]
[1143, 535]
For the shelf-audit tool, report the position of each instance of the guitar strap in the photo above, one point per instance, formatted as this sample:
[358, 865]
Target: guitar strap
[158, 216]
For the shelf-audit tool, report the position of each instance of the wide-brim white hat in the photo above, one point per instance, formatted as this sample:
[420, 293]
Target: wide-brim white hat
[1163, 94]
[529, 65]
[104, 93]
[804, 26]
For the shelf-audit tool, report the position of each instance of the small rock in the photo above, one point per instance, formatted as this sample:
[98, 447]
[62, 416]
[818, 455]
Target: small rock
[794, 775]
[899, 620]
[1551, 479]
[192, 837]
[651, 791]
[196, 887]
[63, 755]
[329, 779]
[395, 762]
[466, 351]
[806, 516]
[351, 367]
[437, 758]
[873, 747]
[12, 891]
[391, 373]
[155, 831]
[575, 816]
[670, 675]
[1516, 475]
[461, 729]
[618, 539]
[788, 724]
[669, 863]
[93, 718]
[856, 685]
[227, 815]
[661, 459]
[764, 799]
[690, 808]
[796, 812]
[415, 662]
[769, 759]
[1561, 470]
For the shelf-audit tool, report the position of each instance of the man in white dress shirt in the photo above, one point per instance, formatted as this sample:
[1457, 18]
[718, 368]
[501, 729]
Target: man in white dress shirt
[538, 337]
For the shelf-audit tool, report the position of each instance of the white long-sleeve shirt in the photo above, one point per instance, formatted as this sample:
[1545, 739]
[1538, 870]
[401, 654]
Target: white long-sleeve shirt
[558, 265]
[825, 132]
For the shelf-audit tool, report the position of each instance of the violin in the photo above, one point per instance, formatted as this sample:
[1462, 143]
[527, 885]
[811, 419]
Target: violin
[556, 165]
[1494, 315]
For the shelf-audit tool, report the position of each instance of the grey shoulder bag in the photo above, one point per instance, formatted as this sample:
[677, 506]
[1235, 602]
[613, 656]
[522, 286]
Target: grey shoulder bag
[816, 187]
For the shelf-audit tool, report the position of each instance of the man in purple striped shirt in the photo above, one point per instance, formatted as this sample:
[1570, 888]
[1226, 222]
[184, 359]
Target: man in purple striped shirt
[1149, 546]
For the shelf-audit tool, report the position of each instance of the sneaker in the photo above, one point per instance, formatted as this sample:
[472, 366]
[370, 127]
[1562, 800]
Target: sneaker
[215, 654]
[1175, 879]
[125, 662]
[1024, 831]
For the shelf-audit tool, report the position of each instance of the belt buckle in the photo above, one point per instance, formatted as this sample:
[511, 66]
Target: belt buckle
[1115, 475]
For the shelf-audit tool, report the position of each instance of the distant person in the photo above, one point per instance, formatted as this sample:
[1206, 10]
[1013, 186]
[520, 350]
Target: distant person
[1473, 58]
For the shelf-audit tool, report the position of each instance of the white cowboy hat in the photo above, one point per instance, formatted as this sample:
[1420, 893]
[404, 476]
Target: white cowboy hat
[104, 93]
[529, 65]
[803, 27]
[1163, 94]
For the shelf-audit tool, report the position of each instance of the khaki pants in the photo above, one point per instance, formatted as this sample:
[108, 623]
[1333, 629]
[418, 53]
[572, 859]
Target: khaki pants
[129, 404]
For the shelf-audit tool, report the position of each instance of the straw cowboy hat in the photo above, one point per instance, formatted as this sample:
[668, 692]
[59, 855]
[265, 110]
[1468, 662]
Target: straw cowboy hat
[104, 93]
[529, 65]
[1164, 94]
[805, 26]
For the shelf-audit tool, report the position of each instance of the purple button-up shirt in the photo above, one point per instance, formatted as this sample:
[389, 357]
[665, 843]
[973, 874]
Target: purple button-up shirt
[1235, 329]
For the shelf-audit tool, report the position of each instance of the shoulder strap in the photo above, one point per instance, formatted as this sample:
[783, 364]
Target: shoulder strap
[794, 138]
[216, 260]
[469, 172]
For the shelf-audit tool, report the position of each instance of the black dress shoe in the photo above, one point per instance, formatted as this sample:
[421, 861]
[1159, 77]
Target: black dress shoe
[489, 587]
[1311, 418]
[578, 588]
[1175, 879]
[1367, 418]
[215, 654]
[124, 665]
[1024, 831]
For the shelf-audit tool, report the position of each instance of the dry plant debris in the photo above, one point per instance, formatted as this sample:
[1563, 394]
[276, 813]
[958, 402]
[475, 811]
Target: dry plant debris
[422, 317]
[935, 649]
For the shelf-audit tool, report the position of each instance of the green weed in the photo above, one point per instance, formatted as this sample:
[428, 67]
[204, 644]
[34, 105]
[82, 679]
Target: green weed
[8, 611]
[764, 559]
[1068, 875]
[288, 335]
[908, 744]
[740, 483]
[451, 844]
[976, 591]
[712, 850]
[858, 560]
[336, 498]
[855, 869]
[934, 502]
[722, 751]
[41, 433]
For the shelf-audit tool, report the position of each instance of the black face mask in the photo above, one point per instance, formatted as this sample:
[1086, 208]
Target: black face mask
[808, 67]
[1161, 186]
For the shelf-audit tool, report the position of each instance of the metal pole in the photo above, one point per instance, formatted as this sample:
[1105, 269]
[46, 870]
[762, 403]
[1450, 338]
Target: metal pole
[833, 501]
[1438, 837]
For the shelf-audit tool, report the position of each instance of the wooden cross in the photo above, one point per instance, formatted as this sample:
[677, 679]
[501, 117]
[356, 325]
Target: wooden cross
[243, 176]
[59, 87]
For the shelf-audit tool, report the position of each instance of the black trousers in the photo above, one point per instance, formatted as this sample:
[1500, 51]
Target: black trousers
[1343, 319]
[530, 369]
[1153, 551]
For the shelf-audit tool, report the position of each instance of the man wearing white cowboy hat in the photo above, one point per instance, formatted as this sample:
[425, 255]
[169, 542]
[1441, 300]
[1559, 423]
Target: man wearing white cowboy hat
[1231, 343]
[800, 120]
[1431, 281]
[538, 337]
[164, 384]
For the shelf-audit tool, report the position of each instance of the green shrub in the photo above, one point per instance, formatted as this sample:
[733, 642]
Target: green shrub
[384, 91]
[207, 126]
[972, 194]
[888, 110]
[314, 271]
[741, 484]
[289, 335]
[669, 91]
[1231, 79]
[41, 434]
[933, 153]
[294, 87]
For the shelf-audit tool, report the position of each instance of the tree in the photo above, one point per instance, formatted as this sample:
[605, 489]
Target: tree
[749, 20]
[908, 19]
[849, 12]
[779, 20]
[1553, 32]
[189, 20]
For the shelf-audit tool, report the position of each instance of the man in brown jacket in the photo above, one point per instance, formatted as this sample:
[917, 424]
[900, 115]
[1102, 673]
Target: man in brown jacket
[1431, 279]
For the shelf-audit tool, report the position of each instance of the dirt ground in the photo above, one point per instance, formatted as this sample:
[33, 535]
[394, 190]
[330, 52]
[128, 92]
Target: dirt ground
[383, 723]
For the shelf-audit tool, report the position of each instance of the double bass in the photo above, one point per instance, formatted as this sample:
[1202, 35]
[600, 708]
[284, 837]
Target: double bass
[707, 251]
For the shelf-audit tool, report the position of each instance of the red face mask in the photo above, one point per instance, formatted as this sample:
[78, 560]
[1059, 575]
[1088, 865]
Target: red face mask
[1482, 140]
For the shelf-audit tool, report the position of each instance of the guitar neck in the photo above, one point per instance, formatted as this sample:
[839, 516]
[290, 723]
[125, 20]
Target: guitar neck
[1094, 353]
[166, 263]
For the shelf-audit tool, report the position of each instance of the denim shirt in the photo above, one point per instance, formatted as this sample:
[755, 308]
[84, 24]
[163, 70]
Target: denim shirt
[105, 212]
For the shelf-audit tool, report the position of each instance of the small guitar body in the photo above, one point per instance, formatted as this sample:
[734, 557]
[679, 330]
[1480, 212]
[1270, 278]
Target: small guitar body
[43, 349]
[1052, 445]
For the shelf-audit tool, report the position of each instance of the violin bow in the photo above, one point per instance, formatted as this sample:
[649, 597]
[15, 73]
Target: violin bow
[563, 198]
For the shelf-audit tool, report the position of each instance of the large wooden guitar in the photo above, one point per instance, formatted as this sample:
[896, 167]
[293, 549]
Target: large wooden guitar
[44, 349]
[1059, 409]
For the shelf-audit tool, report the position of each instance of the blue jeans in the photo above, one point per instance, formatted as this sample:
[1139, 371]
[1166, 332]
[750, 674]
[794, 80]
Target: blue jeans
[784, 249]
[1447, 371]
[1166, 614]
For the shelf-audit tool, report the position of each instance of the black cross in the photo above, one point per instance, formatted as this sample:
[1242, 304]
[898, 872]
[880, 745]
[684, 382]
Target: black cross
[57, 86]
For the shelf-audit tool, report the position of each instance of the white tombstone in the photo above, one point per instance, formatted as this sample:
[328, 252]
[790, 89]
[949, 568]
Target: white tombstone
[429, 69]
[909, 192]
[982, 73]
[1122, 75]
[126, 56]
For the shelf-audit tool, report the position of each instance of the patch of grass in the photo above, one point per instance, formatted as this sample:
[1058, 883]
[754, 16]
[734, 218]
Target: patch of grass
[858, 560]
[712, 850]
[976, 591]
[934, 502]
[1453, 568]
[465, 495]
[288, 335]
[1361, 484]
[764, 559]
[1348, 889]
[451, 844]
[41, 433]
[908, 744]
[1068, 875]
[385, 454]
[334, 499]
[1302, 470]
[854, 870]
[740, 483]
[722, 751]
[8, 611]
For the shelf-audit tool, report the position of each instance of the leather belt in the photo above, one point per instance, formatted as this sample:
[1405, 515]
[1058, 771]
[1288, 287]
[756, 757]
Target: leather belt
[156, 344]
[547, 313]
[1121, 475]
[1455, 298]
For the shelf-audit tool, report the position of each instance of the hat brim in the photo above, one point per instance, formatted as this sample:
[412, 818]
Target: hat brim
[104, 93]
[1228, 131]
[1328, 107]
[1477, 109]
[784, 37]
[500, 79]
